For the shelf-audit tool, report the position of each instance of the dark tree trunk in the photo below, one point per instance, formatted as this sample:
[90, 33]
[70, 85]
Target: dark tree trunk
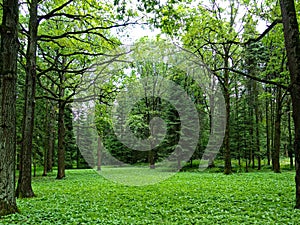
[272, 122]
[61, 141]
[24, 188]
[227, 154]
[292, 43]
[268, 133]
[277, 137]
[46, 146]
[290, 148]
[251, 133]
[78, 150]
[51, 138]
[151, 159]
[99, 154]
[256, 111]
[8, 77]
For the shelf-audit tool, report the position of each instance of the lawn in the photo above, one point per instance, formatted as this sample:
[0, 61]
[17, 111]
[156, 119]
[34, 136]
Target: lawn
[84, 197]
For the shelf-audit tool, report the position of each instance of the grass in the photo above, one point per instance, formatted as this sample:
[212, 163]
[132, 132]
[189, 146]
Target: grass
[84, 197]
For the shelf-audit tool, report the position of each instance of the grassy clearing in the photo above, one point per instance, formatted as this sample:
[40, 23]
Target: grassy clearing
[84, 197]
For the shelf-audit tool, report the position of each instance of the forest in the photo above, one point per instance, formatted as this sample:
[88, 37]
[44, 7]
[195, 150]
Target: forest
[149, 112]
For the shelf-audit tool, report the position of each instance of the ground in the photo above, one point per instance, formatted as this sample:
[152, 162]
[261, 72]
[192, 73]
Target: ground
[84, 197]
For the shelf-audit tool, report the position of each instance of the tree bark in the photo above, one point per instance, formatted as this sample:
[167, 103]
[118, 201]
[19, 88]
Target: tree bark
[24, 188]
[268, 132]
[46, 146]
[290, 148]
[256, 111]
[8, 77]
[99, 158]
[61, 141]
[277, 141]
[292, 44]
[227, 154]
[51, 139]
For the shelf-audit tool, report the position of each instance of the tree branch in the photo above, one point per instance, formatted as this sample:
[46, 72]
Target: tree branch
[252, 40]
[254, 78]
[50, 14]
[86, 31]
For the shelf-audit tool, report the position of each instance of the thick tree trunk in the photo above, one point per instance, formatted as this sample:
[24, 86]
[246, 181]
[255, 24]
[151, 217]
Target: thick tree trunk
[24, 188]
[8, 77]
[292, 43]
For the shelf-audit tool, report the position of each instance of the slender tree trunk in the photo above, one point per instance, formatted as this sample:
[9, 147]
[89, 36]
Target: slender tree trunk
[290, 148]
[268, 133]
[8, 77]
[277, 142]
[46, 146]
[256, 111]
[24, 188]
[251, 132]
[77, 151]
[99, 154]
[292, 43]
[61, 141]
[151, 159]
[34, 163]
[51, 138]
[227, 153]
[272, 132]
[257, 141]
[211, 163]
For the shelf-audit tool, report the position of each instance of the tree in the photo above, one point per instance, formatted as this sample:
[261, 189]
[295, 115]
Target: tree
[24, 188]
[292, 43]
[8, 78]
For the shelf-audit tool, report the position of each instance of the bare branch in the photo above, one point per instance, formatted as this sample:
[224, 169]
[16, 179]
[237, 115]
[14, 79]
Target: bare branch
[50, 14]
[252, 40]
[86, 31]
[254, 78]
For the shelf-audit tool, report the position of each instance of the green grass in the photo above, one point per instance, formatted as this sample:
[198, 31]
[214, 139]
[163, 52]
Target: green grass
[84, 197]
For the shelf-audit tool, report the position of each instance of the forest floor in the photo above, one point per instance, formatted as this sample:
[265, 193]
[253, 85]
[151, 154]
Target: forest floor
[84, 197]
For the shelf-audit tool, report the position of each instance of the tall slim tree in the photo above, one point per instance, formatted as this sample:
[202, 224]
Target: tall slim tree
[24, 188]
[8, 77]
[292, 43]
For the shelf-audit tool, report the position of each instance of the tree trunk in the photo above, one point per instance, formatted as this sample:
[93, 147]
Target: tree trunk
[272, 122]
[256, 111]
[292, 43]
[24, 188]
[227, 154]
[51, 138]
[8, 77]
[290, 148]
[46, 146]
[277, 142]
[61, 141]
[268, 132]
[99, 154]
[151, 159]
